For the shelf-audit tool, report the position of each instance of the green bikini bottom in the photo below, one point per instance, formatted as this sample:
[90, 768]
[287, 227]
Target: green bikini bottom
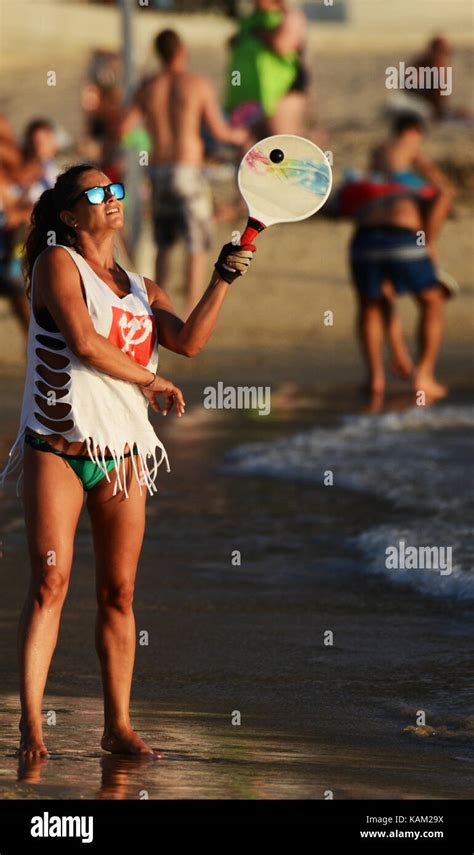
[88, 472]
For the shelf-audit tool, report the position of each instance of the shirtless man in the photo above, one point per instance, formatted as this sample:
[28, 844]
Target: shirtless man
[173, 105]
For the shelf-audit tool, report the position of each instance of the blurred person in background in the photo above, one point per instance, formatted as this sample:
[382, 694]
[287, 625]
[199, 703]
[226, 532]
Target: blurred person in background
[40, 148]
[400, 206]
[15, 212]
[401, 159]
[101, 100]
[10, 154]
[271, 92]
[174, 104]
[22, 181]
[438, 56]
[388, 260]
[14, 215]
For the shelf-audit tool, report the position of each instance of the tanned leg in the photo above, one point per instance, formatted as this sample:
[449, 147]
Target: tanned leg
[52, 500]
[431, 330]
[402, 363]
[371, 332]
[118, 526]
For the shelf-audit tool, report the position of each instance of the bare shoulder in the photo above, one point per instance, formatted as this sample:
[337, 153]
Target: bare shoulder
[156, 295]
[147, 90]
[197, 82]
[147, 84]
[57, 277]
[151, 289]
[55, 260]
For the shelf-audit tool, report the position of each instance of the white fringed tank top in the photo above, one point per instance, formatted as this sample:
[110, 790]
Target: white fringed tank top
[66, 396]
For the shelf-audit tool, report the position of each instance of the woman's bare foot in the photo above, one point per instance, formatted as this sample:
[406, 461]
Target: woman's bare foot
[126, 741]
[31, 741]
[429, 385]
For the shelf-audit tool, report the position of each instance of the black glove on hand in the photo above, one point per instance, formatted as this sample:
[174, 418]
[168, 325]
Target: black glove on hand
[234, 261]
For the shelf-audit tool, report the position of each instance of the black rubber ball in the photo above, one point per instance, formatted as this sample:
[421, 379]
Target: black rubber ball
[276, 156]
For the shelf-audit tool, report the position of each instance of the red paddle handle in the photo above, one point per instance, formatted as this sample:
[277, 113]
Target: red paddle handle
[252, 229]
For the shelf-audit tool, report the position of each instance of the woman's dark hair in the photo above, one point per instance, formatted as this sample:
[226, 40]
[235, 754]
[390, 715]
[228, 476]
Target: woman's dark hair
[47, 228]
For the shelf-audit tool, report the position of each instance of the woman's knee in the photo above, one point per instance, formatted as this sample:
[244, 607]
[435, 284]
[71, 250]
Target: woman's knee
[117, 596]
[49, 584]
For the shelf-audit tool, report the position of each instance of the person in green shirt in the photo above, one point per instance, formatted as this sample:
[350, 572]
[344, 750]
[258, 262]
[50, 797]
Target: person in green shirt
[267, 78]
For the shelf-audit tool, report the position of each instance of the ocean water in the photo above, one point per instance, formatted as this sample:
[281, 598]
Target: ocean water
[419, 461]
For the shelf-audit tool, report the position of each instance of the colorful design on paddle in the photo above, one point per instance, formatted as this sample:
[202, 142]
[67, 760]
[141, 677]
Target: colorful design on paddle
[312, 177]
[283, 179]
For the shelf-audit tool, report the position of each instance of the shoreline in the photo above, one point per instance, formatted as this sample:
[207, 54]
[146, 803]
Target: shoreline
[313, 717]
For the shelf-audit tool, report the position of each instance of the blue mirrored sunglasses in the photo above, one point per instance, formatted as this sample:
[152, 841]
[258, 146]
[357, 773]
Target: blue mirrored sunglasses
[96, 195]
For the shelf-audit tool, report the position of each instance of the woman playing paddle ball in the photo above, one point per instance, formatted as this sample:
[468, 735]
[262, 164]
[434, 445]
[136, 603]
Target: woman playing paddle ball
[91, 374]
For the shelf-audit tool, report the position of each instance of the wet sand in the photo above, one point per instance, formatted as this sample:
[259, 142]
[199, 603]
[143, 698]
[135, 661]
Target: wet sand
[249, 639]
[205, 757]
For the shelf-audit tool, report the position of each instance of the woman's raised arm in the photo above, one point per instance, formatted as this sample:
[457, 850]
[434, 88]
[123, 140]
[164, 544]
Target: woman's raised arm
[189, 337]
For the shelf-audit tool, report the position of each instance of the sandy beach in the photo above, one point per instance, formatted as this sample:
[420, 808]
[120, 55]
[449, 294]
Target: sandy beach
[250, 638]
[348, 98]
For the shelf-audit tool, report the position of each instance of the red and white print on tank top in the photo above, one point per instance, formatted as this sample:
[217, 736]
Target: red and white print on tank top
[133, 334]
